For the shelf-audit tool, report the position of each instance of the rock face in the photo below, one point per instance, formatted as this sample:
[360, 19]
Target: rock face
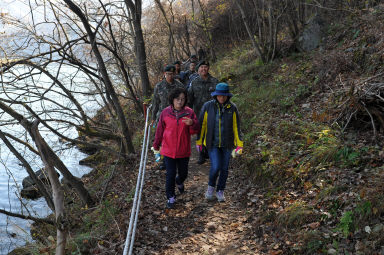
[30, 189]
[66, 182]
[30, 192]
[312, 34]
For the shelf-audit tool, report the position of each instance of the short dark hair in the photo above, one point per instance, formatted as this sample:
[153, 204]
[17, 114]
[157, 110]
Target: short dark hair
[177, 62]
[176, 93]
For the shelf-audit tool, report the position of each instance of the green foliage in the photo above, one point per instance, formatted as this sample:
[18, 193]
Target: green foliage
[348, 156]
[346, 223]
[324, 148]
[137, 139]
[297, 215]
[363, 209]
[96, 223]
[334, 207]
[351, 220]
[314, 245]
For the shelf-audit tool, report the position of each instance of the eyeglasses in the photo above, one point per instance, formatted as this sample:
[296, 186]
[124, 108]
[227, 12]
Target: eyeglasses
[169, 74]
[180, 98]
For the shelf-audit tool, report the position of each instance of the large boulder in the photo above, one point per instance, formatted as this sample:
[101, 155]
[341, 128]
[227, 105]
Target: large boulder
[312, 34]
[40, 174]
[30, 192]
[67, 183]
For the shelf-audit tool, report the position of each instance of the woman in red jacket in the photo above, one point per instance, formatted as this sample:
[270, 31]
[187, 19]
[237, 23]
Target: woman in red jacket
[173, 134]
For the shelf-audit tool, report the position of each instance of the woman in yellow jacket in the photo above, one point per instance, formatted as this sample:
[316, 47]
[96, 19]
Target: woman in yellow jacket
[220, 133]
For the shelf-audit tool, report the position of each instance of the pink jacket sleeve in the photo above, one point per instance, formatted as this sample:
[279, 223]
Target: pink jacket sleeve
[195, 127]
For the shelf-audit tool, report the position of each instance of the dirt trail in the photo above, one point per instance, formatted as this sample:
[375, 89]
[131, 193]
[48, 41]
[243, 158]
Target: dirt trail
[195, 226]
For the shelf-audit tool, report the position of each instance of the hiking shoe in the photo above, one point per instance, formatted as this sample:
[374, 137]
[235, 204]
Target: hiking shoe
[171, 203]
[180, 188]
[209, 193]
[220, 196]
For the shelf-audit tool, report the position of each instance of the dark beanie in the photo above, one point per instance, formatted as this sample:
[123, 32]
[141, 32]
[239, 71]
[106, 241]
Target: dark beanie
[202, 62]
[170, 68]
[177, 62]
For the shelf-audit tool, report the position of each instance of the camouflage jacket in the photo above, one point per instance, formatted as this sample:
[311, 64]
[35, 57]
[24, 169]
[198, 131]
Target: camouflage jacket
[200, 92]
[160, 96]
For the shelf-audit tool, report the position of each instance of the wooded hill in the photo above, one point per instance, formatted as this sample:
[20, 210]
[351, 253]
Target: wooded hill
[307, 78]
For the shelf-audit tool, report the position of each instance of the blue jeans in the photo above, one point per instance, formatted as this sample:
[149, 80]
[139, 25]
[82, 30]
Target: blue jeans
[175, 166]
[219, 166]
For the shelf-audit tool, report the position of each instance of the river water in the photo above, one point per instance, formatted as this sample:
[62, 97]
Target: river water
[14, 231]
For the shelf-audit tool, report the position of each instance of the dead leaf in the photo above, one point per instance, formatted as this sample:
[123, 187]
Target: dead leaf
[314, 225]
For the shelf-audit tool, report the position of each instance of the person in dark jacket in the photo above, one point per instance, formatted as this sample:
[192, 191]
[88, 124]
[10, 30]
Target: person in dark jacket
[186, 65]
[173, 134]
[185, 76]
[200, 91]
[202, 54]
[220, 133]
[177, 65]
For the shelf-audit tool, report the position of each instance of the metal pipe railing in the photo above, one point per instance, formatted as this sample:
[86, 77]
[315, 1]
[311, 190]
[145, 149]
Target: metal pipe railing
[129, 241]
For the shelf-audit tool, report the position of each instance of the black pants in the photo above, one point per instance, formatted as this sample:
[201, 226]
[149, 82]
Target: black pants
[177, 172]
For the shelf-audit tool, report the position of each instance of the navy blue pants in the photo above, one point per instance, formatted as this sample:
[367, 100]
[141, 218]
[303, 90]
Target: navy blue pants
[177, 172]
[219, 167]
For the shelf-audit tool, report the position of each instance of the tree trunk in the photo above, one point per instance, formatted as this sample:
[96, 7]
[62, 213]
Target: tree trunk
[141, 55]
[207, 32]
[103, 70]
[251, 37]
[171, 40]
[78, 185]
[57, 190]
[30, 171]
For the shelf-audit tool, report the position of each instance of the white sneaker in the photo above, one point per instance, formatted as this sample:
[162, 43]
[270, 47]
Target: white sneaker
[220, 196]
[209, 193]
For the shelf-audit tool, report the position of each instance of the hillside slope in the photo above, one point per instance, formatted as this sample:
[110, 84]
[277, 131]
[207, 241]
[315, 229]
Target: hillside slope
[310, 178]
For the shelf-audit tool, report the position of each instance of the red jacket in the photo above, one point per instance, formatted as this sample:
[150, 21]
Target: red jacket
[173, 135]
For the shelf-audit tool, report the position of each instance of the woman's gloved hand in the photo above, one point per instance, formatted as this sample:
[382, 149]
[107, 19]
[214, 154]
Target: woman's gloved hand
[237, 151]
[157, 154]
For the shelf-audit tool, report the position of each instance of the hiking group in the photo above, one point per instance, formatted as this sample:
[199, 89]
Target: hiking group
[177, 100]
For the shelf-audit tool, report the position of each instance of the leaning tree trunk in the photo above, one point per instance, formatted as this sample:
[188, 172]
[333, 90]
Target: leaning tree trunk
[57, 190]
[251, 37]
[30, 171]
[107, 81]
[76, 184]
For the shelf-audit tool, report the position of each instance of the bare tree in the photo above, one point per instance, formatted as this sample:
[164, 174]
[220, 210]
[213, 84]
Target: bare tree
[171, 40]
[141, 56]
[108, 84]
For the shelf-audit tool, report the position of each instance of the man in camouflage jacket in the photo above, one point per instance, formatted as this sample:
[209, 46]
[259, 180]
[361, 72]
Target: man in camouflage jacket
[199, 92]
[162, 90]
[201, 87]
